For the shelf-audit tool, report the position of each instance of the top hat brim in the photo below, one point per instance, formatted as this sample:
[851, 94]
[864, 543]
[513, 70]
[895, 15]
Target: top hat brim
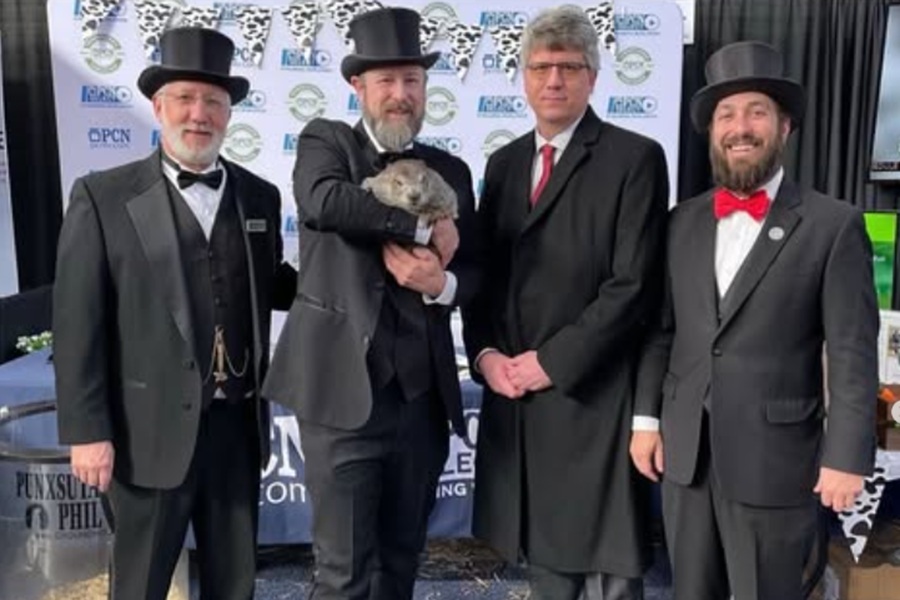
[787, 93]
[355, 64]
[156, 76]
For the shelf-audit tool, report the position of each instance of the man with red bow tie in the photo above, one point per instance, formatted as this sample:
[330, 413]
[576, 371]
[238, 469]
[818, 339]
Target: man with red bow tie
[762, 275]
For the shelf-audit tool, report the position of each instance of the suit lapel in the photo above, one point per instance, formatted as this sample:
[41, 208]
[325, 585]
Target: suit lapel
[777, 229]
[369, 150]
[575, 154]
[700, 260]
[151, 215]
[518, 179]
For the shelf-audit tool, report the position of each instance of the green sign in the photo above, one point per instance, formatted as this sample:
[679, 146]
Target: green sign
[882, 229]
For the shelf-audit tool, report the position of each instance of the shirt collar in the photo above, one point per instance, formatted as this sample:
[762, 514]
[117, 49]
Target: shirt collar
[561, 139]
[171, 167]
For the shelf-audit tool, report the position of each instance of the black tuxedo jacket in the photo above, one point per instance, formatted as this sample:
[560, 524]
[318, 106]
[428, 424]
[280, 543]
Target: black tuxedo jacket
[124, 356]
[757, 353]
[319, 368]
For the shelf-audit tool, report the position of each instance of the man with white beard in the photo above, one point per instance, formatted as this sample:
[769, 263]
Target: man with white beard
[166, 273]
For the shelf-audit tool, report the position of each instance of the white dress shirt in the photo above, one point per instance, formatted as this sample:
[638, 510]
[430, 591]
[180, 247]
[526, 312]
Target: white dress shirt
[559, 141]
[201, 199]
[423, 236]
[735, 236]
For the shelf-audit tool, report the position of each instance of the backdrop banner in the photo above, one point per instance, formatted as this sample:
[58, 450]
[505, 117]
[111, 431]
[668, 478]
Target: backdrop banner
[9, 278]
[291, 53]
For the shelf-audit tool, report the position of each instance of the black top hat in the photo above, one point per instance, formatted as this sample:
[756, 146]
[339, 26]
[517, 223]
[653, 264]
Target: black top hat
[746, 67]
[194, 54]
[384, 37]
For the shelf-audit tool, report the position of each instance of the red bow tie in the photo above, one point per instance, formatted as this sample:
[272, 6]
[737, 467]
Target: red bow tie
[725, 203]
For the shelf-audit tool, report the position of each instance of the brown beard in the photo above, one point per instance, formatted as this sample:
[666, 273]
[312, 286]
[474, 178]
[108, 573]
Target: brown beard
[745, 178]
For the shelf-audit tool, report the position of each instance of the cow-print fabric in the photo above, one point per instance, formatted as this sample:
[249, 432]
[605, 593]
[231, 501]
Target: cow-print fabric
[857, 523]
[428, 29]
[195, 16]
[255, 22]
[343, 11]
[508, 43]
[153, 17]
[92, 14]
[303, 21]
[463, 43]
[601, 17]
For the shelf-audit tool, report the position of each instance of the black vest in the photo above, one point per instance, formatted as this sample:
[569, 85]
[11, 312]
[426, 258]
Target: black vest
[218, 285]
[400, 346]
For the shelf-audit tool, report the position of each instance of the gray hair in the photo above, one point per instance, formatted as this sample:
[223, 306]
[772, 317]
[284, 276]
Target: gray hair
[565, 27]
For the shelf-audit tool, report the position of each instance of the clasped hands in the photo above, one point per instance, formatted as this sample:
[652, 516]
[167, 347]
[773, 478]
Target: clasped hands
[513, 376]
[421, 268]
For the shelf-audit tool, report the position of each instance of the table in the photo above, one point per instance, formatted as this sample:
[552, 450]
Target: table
[284, 502]
[285, 511]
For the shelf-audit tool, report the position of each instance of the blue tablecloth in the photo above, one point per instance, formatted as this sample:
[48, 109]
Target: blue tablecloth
[284, 503]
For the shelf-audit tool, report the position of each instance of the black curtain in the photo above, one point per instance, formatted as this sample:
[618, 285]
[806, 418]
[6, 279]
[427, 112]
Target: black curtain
[833, 48]
[31, 138]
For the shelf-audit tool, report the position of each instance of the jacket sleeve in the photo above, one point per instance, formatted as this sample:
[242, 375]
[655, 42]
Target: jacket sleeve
[327, 177]
[81, 324]
[850, 320]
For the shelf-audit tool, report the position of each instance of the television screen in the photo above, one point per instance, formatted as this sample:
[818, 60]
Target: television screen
[882, 229]
[886, 141]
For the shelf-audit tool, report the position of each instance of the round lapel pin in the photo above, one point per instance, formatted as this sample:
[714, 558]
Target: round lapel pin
[776, 233]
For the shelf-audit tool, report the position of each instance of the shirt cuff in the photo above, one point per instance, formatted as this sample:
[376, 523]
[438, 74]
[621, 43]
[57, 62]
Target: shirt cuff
[423, 232]
[480, 356]
[447, 295]
[642, 423]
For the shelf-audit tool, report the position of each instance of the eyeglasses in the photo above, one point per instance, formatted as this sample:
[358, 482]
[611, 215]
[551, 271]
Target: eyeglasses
[186, 100]
[568, 70]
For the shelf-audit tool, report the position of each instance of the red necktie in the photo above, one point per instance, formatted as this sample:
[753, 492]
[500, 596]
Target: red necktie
[546, 167]
[725, 203]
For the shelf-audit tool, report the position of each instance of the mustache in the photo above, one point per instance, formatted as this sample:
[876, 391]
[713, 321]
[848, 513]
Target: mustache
[744, 138]
[399, 105]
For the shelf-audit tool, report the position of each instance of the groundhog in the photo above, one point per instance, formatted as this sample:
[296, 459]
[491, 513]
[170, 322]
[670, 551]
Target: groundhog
[409, 184]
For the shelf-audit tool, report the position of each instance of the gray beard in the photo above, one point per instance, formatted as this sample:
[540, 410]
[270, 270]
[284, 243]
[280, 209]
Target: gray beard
[745, 180]
[393, 137]
[185, 154]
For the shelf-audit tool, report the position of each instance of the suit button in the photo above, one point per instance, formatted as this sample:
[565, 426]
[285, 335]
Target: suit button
[187, 406]
[366, 340]
[389, 225]
[717, 352]
[188, 364]
[218, 301]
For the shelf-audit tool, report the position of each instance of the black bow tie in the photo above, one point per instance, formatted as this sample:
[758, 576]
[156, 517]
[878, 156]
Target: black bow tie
[386, 158]
[212, 179]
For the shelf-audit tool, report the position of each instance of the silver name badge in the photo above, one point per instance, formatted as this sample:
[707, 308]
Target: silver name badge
[256, 225]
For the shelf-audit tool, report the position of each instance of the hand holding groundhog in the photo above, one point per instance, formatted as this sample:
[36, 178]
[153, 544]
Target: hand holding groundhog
[409, 184]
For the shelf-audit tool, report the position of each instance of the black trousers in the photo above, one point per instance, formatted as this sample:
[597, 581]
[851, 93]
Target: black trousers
[719, 547]
[219, 497]
[546, 584]
[372, 490]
